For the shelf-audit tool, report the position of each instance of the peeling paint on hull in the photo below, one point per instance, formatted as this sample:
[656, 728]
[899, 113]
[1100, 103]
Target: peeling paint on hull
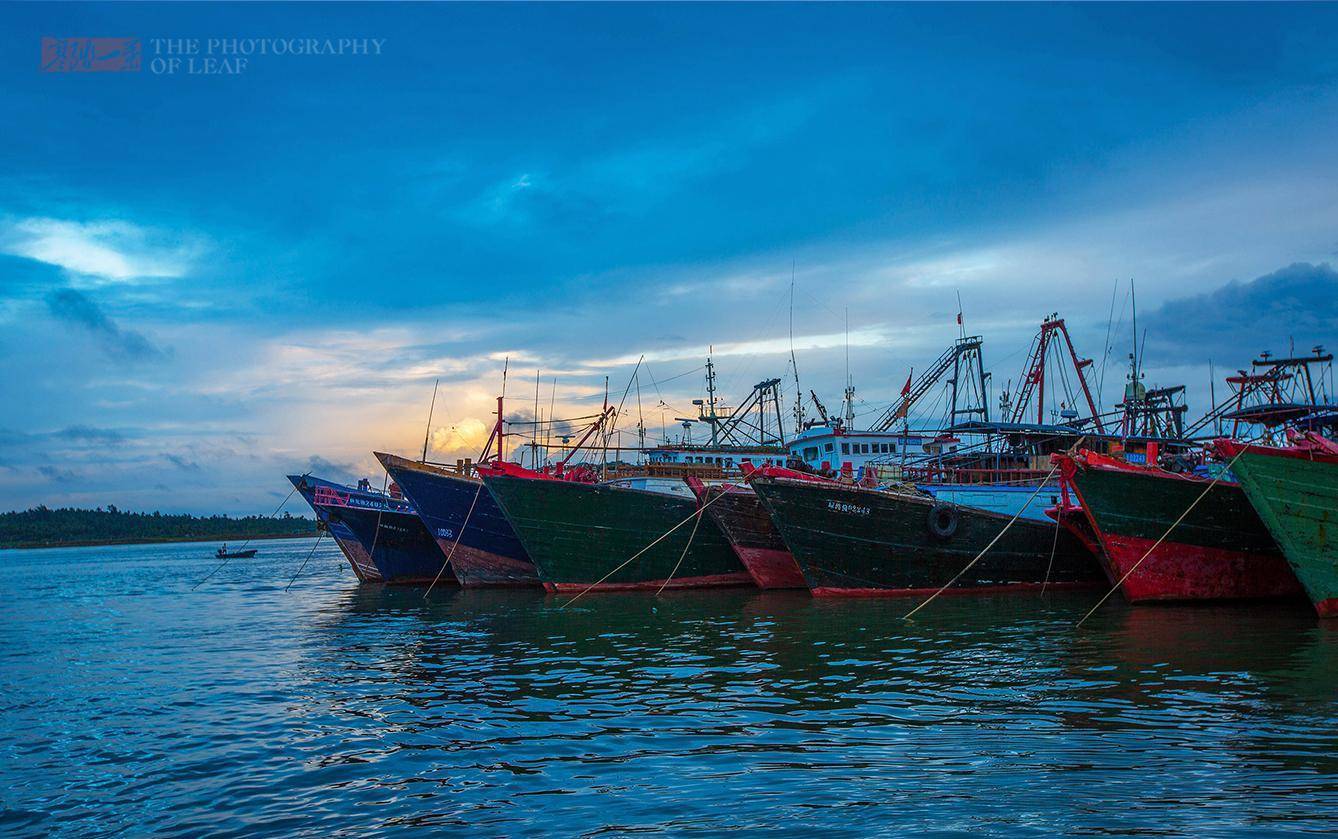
[753, 536]
[1296, 496]
[1219, 551]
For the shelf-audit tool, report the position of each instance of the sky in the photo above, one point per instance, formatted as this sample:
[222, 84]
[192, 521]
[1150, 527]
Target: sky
[208, 281]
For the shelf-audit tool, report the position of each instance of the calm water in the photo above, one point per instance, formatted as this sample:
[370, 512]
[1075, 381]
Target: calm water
[132, 705]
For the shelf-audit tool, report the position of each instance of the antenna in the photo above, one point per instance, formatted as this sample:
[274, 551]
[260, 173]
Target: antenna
[552, 396]
[428, 433]
[794, 365]
[1133, 296]
[1212, 396]
[850, 385]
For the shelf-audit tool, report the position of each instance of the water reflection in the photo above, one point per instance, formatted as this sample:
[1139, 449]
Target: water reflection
[364, 709]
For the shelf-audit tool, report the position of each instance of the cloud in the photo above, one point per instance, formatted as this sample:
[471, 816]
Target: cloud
[329, 470]
[182, 463]
[89, 434]
[77, 308]
[872, 336]
[106, 251]
[1239, 320]
[58, 475]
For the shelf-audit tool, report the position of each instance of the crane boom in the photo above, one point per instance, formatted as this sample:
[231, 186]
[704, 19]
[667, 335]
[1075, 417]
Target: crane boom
[949, 360]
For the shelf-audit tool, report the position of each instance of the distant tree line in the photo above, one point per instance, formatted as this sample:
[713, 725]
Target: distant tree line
[44, 527]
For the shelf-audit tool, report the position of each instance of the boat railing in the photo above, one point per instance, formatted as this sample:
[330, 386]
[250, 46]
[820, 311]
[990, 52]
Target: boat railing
[966, 475]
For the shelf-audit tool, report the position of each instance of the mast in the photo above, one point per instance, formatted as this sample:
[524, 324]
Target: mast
[794, 365]
[538, 425]
[710, 415]
[428, 433]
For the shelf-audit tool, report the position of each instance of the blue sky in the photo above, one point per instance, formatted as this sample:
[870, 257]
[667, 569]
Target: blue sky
[209, 281]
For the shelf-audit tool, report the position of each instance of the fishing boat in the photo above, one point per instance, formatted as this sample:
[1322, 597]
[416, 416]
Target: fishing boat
[852, 540]
[646, 530]
[358, 558]
[466, 523]
[1295, 492]
[745, 523]
[224, 553]
[387, 528]
[1219, 550]
[606, 537]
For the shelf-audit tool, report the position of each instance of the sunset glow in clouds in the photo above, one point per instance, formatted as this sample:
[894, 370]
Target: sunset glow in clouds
[211, 281]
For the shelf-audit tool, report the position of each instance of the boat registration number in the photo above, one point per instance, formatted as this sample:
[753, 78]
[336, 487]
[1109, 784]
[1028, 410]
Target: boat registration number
[847, 508]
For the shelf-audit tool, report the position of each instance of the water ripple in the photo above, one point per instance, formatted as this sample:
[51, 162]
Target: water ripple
[132, 705]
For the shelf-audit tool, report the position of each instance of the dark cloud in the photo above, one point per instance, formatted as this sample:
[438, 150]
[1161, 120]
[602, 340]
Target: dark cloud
[89, 434]
[182, 463]
[1236, 322]
[77, 308]
[331, 471]
[60, 476]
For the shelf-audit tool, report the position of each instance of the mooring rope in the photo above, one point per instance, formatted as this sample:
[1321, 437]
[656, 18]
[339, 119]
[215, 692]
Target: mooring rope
[986, 549]
[304, 562]
[379, 512]
[691, 536]
[219, 567]
[625, 562]
[454, 544]
[1214, 482]
[1054, 546]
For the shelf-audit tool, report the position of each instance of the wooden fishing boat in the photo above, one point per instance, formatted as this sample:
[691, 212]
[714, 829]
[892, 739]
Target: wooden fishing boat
[224, 553]
[850, 540]
[1219, 551]
[386, 528]
[347, 541]
[747, 525]
[466, 523]
[1295, 492]
[611, 537]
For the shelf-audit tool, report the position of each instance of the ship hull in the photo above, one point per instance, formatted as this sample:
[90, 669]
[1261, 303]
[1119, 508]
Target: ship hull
[578, 534]
[398, 544]
[751, 533]
[1219, 551]
[358, 558]
[1297, 499]
[851, 541]
[466, 524]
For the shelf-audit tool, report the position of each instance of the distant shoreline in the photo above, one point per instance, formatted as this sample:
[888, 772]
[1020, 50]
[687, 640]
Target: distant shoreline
[161, 540]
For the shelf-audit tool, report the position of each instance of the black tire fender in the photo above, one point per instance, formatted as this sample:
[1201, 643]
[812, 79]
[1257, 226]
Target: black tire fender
[942, 520]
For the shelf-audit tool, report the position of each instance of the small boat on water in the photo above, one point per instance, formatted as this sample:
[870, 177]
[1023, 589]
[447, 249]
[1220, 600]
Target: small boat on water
[224, 553]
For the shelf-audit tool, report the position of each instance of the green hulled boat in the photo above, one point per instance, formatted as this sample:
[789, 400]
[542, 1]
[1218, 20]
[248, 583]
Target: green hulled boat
[1295, 492]
[578, 533]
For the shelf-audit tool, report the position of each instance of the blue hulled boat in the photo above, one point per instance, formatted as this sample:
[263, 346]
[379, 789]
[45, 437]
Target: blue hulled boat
[380, 533]
[466, 523]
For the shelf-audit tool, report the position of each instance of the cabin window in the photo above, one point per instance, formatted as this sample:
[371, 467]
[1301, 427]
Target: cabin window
[891, 448]
[826, 447]
[863, 448]
[845, 448]
[729, 462]
[811, 453]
